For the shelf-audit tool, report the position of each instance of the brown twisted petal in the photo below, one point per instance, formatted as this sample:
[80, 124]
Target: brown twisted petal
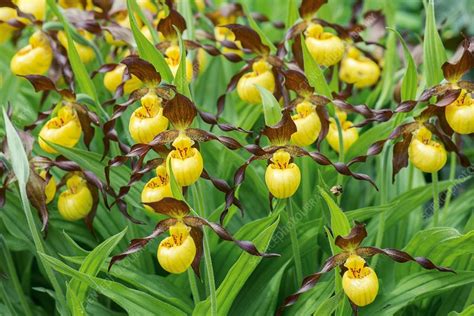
[167, 25]
[226, 127]
[323, 115]
[262, 18]
[249, 39]
[245, 245]
[400, 256]
[138, 244]
[353, 239]
[142, 69]
[200, 135]
[170, 207]
[120, 33]
[454, 71]
[311, 280]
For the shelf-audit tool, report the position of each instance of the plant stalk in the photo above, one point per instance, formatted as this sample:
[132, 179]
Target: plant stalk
[294, 242]
[434, 177]
[383, 200]
[198, 197]
[452, 174]
[341, 154]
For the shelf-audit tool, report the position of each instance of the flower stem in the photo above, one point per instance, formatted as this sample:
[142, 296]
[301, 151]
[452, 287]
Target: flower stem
[198, 197]
[294, 242]
[341, 154]
[452, 174]
[193, 286]
[434, 177]
[383, 200]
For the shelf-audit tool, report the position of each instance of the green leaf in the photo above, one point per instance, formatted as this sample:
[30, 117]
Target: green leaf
[175, 187]
[410, 78]
[147, 50]
[468, 311]
[77, 290]
[388, 74]
[340, 225]
[329, 305]
[133, 301]
[271, 107]
[292, 14]
[416, 287]
[434, 54]
[314, 73]
[237, 275]
[180, 80]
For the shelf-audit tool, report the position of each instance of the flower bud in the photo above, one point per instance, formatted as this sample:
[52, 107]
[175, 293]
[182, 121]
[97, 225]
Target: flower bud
[186, 161]
[349, 134]
[360, 283]
[64, 129]
[50, 189]
[35, 58]
[6, 29]
[426, 154]
[282, 177]
[36, 7]
[147, 121]
[307, 124]
[326, 48]
[173, 58]
[460, 114]
[76, 202]
[86, 53]
[176, 252]
[157, 188]
[261, 75]
[359, 70]
[113, 79]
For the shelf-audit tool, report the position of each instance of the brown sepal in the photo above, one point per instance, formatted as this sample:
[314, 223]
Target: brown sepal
[400, 155]
[171, 207]
[197, 235]
[297, 81]
[454, 71]
[180, 110]
[142, 69]
[167, 25]
[400, 256]
[35, 188]
[138, 244]
[280, 133]
[309, 7]
[249, 39]
[353, 239]
[43, 83]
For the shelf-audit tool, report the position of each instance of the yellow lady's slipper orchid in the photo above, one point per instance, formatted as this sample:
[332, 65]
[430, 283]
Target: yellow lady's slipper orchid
[64, 129]
[6, 29]
[147, 121]
[157, 188]
[173, 58]
[113, 79]
[76, 202]
[282, 177]
[35, 58]
[349, 135]
[460, 114]
[326, 48]
[426, 154]
[35, 7]
[50, 190]
[307, 123]
[176, 252]
[360, 283]
[359, 70]
[261, 75]
[86, 53]
[186, 161]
